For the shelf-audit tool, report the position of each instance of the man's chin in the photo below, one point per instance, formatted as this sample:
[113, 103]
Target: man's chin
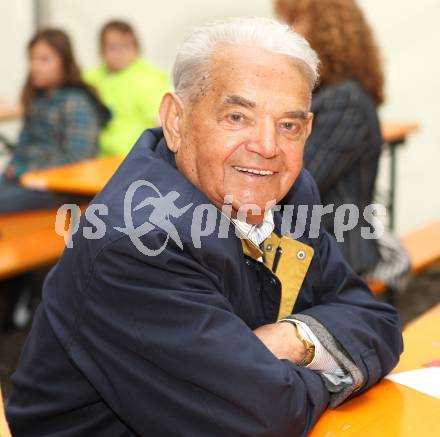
[251, 212]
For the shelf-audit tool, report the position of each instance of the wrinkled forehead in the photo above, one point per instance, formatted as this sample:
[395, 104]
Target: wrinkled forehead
[254, 72]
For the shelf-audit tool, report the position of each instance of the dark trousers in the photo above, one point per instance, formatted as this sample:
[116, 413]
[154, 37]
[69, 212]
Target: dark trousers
[14, 198]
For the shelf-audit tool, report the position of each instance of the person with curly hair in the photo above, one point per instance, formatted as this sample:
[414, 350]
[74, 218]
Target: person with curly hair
[343, 151]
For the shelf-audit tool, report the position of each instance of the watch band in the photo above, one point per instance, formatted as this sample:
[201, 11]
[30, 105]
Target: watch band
[309, 346]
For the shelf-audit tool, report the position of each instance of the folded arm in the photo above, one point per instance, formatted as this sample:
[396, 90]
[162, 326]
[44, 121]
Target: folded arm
[360, 333]
[157, 330]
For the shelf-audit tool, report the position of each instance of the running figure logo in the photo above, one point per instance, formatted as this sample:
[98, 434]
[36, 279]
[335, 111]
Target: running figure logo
[163, 208]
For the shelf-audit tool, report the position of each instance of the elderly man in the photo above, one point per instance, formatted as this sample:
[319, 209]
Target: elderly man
[161, 328]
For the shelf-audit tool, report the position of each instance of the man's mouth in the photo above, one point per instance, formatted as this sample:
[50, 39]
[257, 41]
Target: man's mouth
[254, 171]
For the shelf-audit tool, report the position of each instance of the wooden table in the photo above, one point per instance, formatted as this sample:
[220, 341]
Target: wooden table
[86, 177]
[390, 409]
[9, 111]
[397, 131]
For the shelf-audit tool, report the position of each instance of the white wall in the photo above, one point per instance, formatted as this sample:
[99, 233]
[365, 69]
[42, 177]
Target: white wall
[409, 36]
[407, 31]
[15, 31]
[162, 25]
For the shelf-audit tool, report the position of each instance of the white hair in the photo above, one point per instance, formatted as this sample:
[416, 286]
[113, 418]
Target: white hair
[192, 60]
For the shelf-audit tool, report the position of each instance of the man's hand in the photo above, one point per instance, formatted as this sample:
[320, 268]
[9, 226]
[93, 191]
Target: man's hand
[281, 339]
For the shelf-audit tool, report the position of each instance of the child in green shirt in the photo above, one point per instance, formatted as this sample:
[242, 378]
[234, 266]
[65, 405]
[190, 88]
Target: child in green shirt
[129, 85]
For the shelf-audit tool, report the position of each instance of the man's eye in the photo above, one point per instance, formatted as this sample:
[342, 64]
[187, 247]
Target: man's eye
[236, 118]
[288, 125]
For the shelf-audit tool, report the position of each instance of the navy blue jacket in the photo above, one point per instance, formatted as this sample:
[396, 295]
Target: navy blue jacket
[126, 344]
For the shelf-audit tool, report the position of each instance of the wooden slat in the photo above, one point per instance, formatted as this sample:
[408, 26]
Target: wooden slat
[29, 251]
[423, 246]
[28, 241]
[422, 341]
[397, 131]
[84, 177]
[12, 225]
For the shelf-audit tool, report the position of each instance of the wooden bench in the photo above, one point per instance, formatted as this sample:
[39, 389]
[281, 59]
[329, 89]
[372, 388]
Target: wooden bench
[423, 246]
[28, 241]
[12, 225]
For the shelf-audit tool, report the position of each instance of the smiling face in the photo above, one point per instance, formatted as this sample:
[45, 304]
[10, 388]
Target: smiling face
[244, 134]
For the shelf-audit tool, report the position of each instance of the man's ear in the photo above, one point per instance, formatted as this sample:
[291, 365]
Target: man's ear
[171, 116]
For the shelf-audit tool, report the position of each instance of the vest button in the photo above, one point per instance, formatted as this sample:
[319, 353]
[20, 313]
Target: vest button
[269, 248]
[301, 255]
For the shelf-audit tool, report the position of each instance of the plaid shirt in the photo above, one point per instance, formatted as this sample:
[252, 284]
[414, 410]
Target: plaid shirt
[342, 154]
[58, 129]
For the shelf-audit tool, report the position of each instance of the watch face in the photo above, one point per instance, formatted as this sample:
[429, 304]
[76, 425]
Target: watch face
[310, 352]
[309, 346]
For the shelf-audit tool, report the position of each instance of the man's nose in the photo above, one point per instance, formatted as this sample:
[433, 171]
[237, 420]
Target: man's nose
[264, 141]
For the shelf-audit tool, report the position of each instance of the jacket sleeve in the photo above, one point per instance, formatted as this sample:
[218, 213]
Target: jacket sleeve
[339, 127]
[162, 346]
[367, 330]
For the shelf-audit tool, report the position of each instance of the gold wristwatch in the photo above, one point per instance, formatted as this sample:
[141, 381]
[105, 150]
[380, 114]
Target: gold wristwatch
[310, 347]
